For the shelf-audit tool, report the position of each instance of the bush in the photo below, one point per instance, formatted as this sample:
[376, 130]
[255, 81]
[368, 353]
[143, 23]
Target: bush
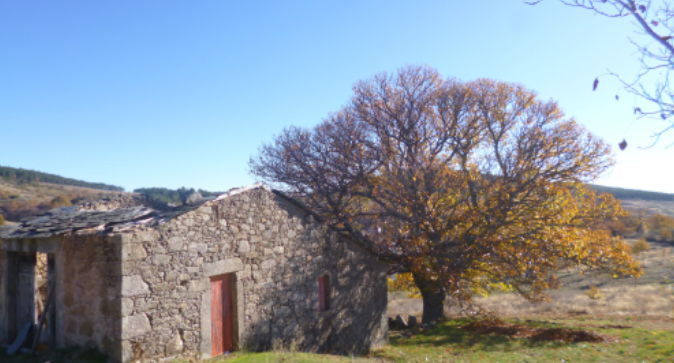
[2, 220]
[640, 246]
[60, 201]
[660, 221]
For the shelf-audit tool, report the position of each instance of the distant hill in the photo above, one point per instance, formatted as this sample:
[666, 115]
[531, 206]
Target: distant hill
[27, 192]
[622, 194]
[31, 176]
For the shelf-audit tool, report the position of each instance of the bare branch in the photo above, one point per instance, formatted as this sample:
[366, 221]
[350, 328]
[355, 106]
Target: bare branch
[648, 18]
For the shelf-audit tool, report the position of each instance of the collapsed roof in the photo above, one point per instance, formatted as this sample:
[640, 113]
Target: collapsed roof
[111, 214]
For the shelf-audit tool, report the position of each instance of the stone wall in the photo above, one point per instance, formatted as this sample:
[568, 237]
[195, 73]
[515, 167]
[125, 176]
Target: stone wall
[4, 339]
[87, 292]
[277, 252]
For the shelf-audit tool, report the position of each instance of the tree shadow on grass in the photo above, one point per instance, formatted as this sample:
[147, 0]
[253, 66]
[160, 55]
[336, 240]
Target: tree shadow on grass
[450, 333]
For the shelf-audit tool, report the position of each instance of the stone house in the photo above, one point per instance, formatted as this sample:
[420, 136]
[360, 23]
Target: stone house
[142, 281]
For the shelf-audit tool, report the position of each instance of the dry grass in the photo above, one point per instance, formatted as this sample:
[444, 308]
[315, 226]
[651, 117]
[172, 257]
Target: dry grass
[18, 201]
[652, 296]
[46, 191]
[644, 300]
[649, 206]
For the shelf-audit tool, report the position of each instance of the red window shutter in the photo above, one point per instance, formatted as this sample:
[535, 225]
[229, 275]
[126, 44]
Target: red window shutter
[326, 290]
[322, 301]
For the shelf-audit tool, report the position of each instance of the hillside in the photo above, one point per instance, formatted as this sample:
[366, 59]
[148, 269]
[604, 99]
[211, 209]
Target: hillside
[20, 200]
[629, 194]
[28, 192]
[21, 176]
[24, 193]
[641, 202]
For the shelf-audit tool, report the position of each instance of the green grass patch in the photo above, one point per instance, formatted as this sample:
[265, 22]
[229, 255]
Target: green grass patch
[448, 343]
[285, 357]
[639, 339]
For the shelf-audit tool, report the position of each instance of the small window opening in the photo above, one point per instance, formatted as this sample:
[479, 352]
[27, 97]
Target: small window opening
[324, 293]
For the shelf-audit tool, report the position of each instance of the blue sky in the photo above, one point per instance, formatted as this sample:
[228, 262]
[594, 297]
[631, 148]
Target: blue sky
[177, 93]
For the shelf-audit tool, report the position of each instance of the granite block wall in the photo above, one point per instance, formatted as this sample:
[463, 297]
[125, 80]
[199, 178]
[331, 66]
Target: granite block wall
[276, 251]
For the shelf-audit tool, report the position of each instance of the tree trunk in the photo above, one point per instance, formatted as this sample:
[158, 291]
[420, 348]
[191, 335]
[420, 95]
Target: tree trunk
[433, 297]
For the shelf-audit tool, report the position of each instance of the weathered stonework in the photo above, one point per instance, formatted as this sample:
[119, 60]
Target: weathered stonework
[144, 293]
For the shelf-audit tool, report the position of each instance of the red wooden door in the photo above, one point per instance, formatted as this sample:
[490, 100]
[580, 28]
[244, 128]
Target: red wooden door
[221, 314]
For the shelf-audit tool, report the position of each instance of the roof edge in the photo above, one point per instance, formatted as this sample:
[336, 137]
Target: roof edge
[236, 191]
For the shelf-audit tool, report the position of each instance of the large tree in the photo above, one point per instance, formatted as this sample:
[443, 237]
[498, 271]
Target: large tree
[655, 19]
[466, 185]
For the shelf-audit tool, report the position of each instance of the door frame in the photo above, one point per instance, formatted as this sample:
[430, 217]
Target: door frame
[233, 266]
[9, 251]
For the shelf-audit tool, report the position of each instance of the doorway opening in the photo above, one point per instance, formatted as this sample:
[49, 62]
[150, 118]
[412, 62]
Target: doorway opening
[31, 312]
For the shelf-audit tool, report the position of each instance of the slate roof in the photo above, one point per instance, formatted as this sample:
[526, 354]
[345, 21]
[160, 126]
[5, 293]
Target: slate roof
[70, 219]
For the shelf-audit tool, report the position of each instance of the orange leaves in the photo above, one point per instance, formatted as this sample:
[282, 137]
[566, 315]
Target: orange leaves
[470, 185]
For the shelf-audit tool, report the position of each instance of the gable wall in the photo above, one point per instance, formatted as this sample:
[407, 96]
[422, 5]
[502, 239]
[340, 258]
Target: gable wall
[277, 252]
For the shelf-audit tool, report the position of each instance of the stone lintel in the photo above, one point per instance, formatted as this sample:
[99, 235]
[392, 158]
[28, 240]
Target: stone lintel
[223, 267]
[33, 245]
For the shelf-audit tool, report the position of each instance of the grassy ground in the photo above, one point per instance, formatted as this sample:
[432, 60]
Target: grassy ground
[642, 339]
[645, 340]
[289, 357]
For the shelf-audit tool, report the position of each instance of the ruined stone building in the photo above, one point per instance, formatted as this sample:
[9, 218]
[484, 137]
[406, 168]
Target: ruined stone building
[143, 281]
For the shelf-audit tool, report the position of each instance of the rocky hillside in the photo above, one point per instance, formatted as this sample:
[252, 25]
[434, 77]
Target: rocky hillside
[19, 200]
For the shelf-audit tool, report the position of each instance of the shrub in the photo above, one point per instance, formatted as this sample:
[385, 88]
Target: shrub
[660, 221]
[2, 220]
[60, 201]
[640, 246]
[594, 293]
